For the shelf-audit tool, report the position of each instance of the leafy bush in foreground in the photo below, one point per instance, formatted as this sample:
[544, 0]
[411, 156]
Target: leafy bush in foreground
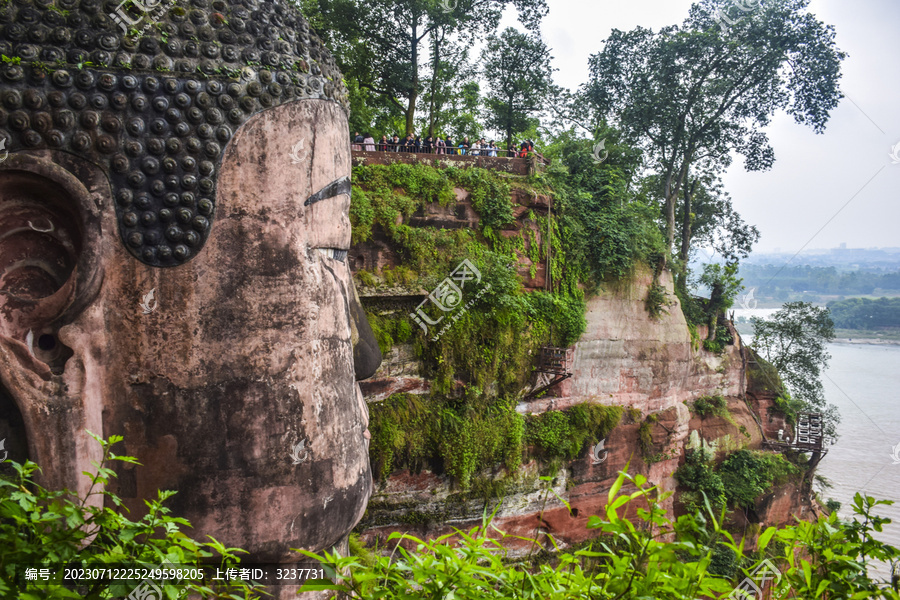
[826, 559]
[44, 528]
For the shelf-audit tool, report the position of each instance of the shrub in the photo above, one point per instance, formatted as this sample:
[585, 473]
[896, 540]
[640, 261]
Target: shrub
[563, 433]
[710, 405]
[656, 302]
[47, 528]
[464, 436]
[747, 474]
[699, 478]
[629, 560]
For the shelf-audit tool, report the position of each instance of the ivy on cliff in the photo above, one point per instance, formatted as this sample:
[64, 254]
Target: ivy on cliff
[464, 436]
[738, 481]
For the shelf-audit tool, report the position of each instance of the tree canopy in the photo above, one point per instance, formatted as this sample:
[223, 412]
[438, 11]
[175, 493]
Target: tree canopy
[380, 44]
[690, 95]
[518, 73]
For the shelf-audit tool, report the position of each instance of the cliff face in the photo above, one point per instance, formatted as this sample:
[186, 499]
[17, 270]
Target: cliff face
[653, 366]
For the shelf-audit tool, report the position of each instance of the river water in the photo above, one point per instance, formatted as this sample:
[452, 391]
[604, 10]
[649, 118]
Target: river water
[863, 381]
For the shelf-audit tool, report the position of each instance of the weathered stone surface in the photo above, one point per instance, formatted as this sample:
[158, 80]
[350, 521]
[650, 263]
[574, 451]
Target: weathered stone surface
[88, 90]
[217, 376]
[632, 359]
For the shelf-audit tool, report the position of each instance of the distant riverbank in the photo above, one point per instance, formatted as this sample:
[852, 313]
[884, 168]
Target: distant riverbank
[859, 336]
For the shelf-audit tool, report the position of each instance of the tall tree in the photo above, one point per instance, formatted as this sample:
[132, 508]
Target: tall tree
[451, 94]
[519, 75]
[383, 44]
[691, 95]
[707, 218]
[795, 340]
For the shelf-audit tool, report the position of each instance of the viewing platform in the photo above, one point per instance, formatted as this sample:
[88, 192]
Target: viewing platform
[512, 165]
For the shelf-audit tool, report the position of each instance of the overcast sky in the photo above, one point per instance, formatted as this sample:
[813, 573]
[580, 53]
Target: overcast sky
[814, 175]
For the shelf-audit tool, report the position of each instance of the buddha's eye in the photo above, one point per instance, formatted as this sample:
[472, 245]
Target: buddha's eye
[333, 253]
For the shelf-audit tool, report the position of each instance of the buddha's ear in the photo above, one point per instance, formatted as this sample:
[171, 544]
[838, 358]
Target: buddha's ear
[49, 253]
[366, 353]
[50, 271]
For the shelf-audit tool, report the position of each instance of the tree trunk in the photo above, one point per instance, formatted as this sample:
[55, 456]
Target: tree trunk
[715, 302]
[685, 252]
[434, 82]
[414, 88]
[686, 222]
[509, 119]
[670, 221]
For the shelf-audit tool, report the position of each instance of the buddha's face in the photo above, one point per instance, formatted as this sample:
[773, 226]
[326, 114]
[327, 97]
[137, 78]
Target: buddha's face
[231, 377]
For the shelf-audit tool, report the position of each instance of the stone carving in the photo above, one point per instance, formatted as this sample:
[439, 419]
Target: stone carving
[250, 344]
[82, 85]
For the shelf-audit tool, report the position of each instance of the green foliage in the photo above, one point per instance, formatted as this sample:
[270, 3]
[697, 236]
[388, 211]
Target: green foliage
[723, 562]
[691, 95]
[832, 505]
[719, 342]
[492, 345]
[48, 528]
[840, 554]
[366, 279]
[710, 405]
[619, 238]
[389, 331]
[459, 438]
[747, 474]
[490, 195]
[795, 341]
[518, 73]
[643, 556]
[701, 482]
[723, 283]
[564, 433]
[464, 436]
[382, 48]
[780, 280]
[399, 276]
[566, 314]
[864, 313]
[657, 301]
[645, 435]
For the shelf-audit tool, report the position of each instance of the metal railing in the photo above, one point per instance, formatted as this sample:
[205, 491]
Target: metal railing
[449, 150]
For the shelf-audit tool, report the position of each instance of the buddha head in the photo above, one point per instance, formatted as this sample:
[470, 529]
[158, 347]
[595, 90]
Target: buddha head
[174, 196]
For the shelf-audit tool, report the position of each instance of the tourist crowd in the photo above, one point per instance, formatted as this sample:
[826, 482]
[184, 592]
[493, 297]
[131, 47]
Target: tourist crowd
[438, 145]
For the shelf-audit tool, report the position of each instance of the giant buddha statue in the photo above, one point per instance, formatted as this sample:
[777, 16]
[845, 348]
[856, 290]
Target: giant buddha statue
[174, 195]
